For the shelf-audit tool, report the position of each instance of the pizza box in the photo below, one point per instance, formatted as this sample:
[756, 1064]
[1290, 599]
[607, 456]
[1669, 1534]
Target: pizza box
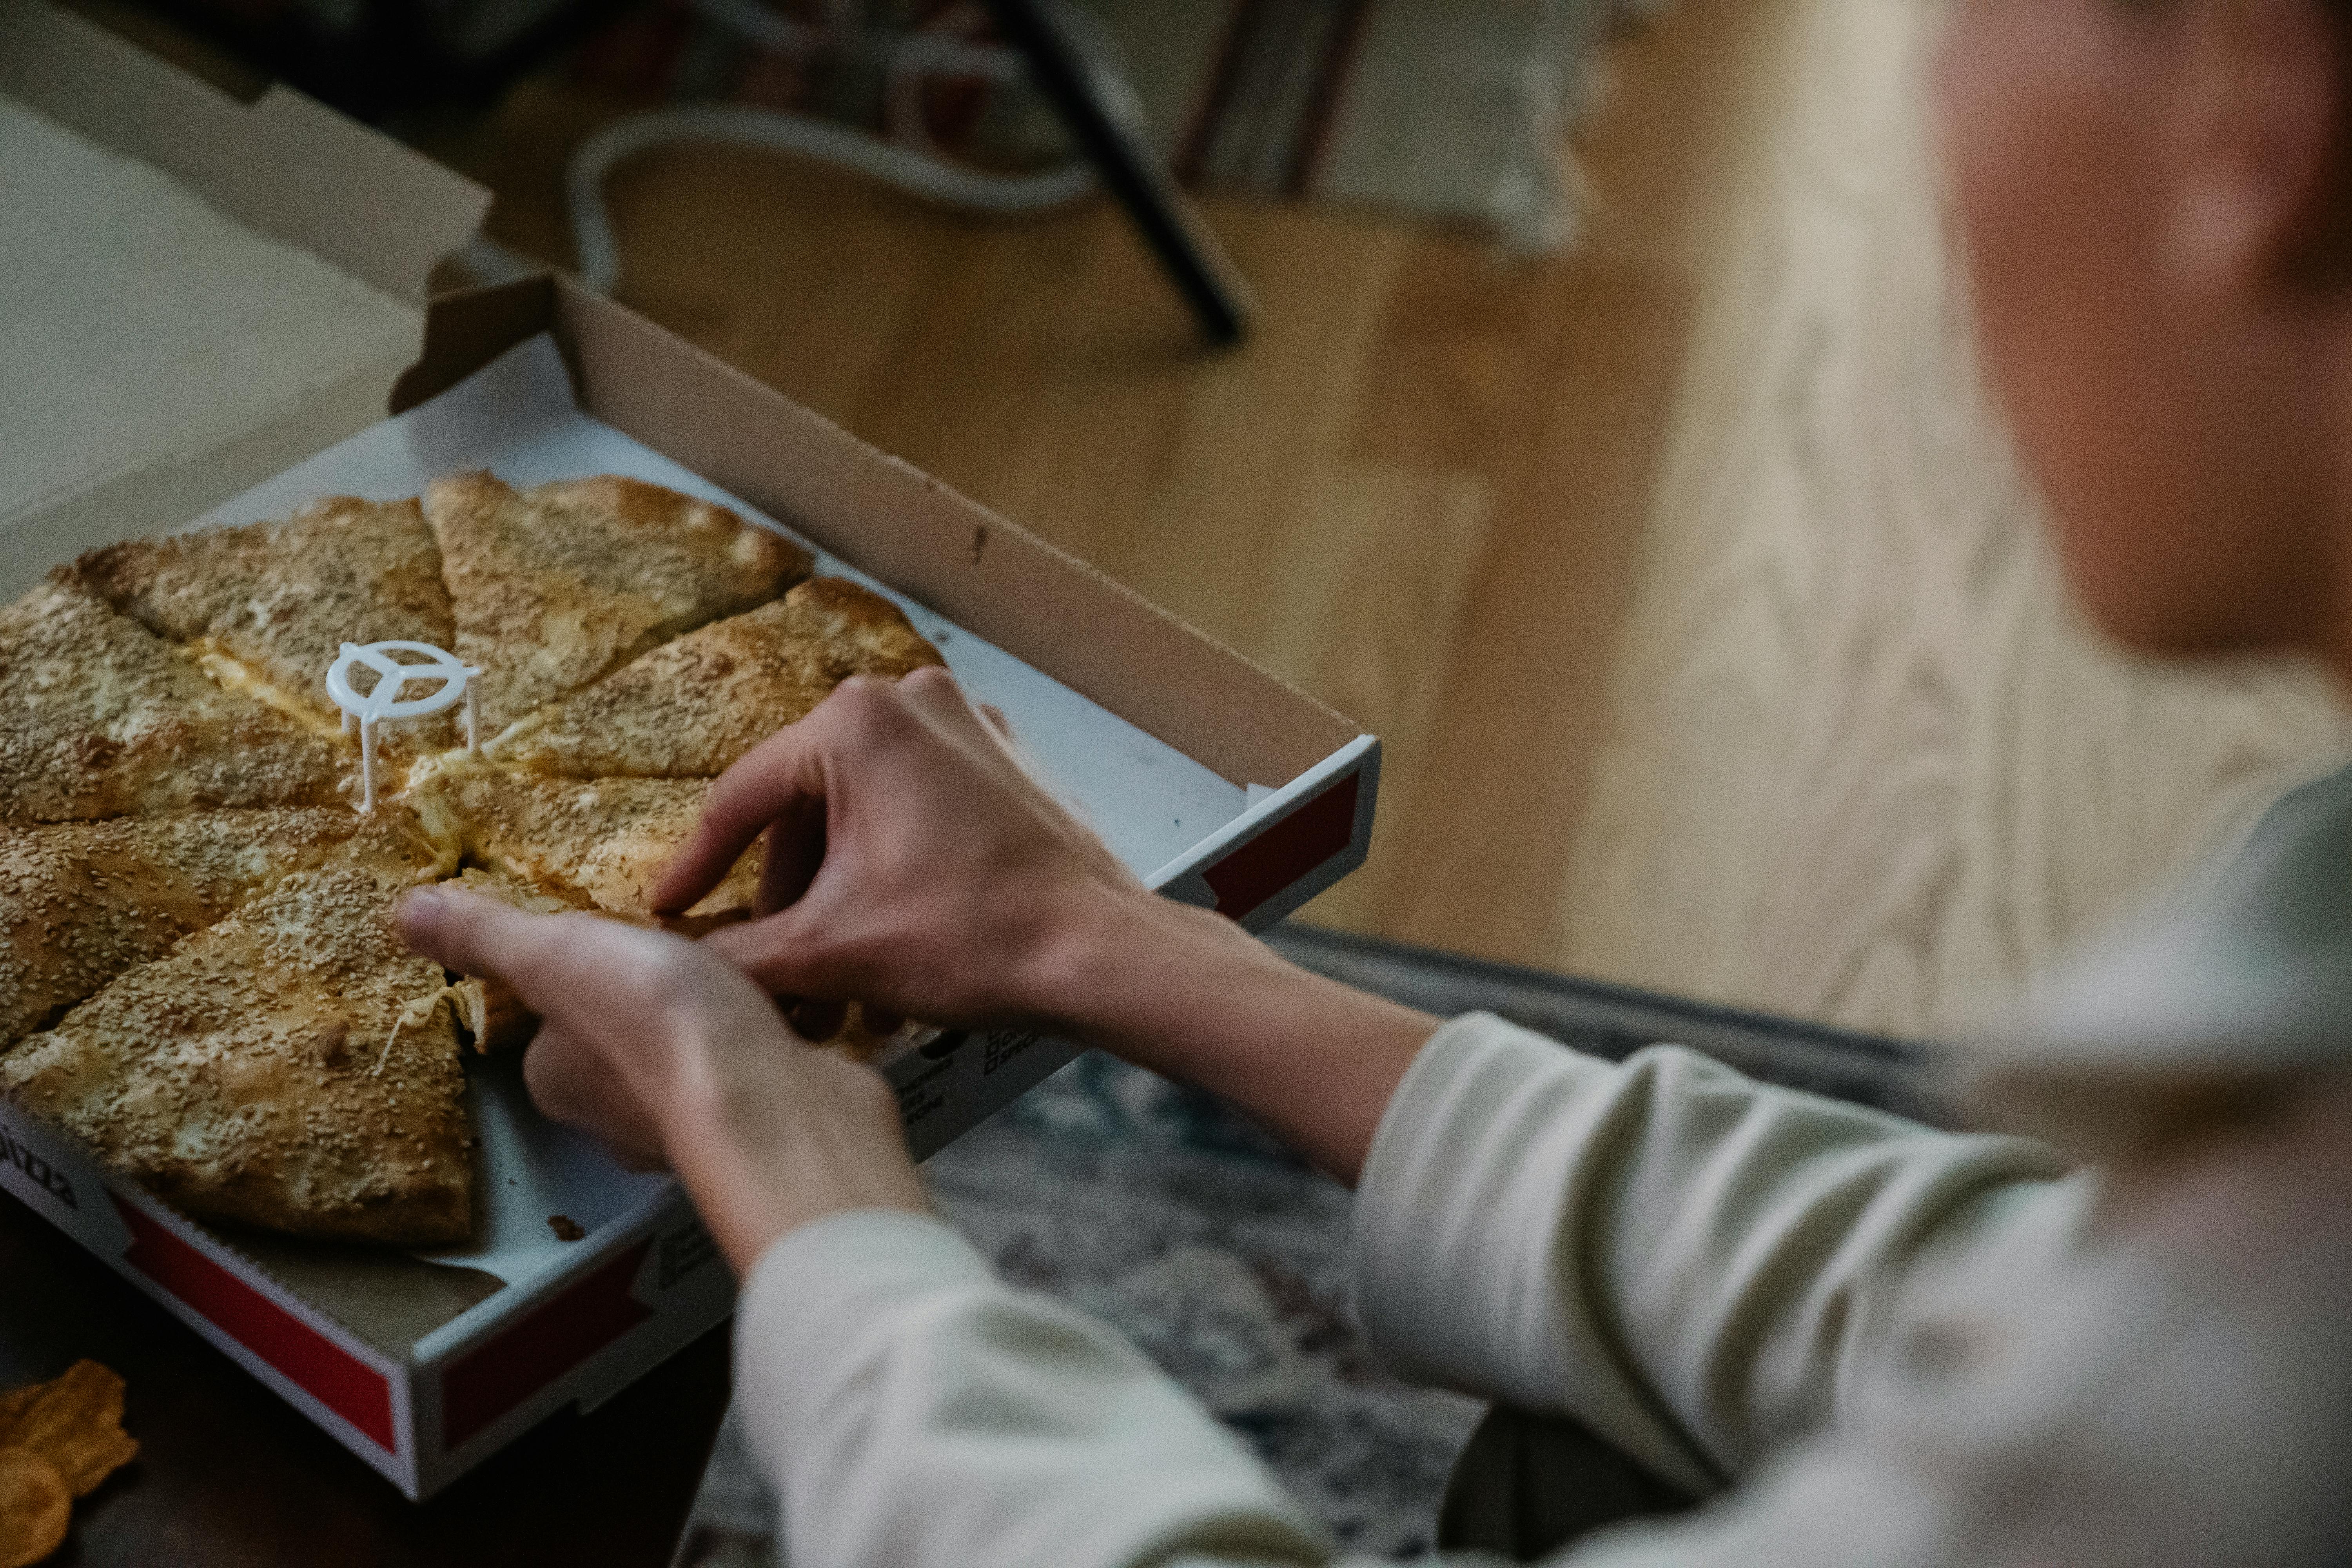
[1215, 782]
[269, 259]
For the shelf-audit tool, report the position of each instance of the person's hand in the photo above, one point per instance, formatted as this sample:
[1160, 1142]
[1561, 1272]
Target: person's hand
[671, 1056]
[911, 861]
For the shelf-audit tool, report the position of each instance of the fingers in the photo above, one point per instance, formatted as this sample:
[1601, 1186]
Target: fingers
[765, 950]
[556, 964]
[778, 788]
[570, 1082]
[812, 989]
[476, 934]
[778, 780]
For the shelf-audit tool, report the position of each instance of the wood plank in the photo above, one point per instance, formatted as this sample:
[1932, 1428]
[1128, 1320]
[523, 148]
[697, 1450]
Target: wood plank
[1479, 855]
[1863, 762]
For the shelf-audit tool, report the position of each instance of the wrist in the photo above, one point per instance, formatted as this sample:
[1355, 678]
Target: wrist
[1189, 994]
[770, 1135]
[1118, 959]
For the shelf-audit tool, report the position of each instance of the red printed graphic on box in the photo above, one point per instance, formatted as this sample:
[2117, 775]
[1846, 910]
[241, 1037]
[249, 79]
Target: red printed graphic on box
[517, 1362]
[1319, 831]
[329, 1373]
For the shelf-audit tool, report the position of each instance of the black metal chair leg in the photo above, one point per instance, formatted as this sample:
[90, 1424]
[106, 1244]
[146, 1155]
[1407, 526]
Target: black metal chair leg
[1103, 117]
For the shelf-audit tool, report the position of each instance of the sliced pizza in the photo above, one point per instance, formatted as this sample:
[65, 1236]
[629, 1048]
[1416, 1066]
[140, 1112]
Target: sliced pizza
[82, 901]
[497, 1019]
[691, 707]
[602, 842]
[102, 717]
[293, 1067]
[271, 603]
[552, 588]
[494, 1016]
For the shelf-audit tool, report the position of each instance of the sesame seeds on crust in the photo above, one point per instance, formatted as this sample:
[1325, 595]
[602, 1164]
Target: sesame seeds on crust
[102, 717]
[194, 926]
[283, 598]
[691, 707]
[599, 842]
[289, 1066]
[82, 901]
[553, 587]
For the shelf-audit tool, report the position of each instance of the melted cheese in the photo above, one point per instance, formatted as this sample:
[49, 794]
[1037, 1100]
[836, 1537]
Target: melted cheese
[232, 674]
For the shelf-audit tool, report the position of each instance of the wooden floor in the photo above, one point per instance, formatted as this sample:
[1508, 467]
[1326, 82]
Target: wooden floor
[1693, 595]
[1861, 763]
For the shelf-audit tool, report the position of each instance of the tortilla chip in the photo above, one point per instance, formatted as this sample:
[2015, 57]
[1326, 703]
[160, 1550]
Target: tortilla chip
[35, 1508]
[75, 1422]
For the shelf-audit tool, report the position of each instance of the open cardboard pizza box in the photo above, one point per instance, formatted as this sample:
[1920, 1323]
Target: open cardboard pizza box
[174, 231]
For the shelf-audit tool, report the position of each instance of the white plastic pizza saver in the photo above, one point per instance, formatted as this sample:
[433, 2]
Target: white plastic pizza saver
[452, 681]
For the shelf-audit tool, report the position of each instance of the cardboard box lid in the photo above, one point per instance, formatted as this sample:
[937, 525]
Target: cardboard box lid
[193, 292]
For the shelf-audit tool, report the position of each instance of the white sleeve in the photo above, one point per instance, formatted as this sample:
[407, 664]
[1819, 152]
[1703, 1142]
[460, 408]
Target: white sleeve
[1693, 1263]
[912, 1411]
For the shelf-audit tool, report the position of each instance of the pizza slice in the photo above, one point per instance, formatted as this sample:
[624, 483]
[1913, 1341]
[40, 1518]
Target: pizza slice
[102, 717]
[270, 606]
[691, 707]
[554, 587]
[82, 901]
[494, 1016]
[497, 1019]
[291, 1066]
[600, 843]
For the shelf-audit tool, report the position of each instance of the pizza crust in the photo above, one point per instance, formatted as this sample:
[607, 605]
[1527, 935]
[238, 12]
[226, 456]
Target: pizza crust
[280, 599]
[293, 1067]
[104, 719]
[601, 843]
[691, 708]
[80, 902]
[553, 587]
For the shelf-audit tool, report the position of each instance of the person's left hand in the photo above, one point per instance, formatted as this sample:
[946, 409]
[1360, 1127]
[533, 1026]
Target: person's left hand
[671, 1056]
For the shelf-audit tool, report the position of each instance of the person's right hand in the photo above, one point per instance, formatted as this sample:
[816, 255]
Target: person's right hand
[911, 861]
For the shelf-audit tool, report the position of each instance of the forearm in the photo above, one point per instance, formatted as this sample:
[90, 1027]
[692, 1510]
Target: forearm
[1191, 995]
[1177, 990]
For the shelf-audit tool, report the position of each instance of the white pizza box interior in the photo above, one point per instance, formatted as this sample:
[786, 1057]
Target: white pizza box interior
[193, 292]
[1210, 778]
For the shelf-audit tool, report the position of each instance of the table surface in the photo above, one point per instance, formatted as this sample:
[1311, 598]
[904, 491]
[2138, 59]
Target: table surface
[228, 1474]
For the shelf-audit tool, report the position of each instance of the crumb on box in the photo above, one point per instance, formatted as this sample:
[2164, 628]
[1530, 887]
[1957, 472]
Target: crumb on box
[565, 1227]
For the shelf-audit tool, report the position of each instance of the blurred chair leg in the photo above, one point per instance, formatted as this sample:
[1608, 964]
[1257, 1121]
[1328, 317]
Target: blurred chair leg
[1103, 117]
